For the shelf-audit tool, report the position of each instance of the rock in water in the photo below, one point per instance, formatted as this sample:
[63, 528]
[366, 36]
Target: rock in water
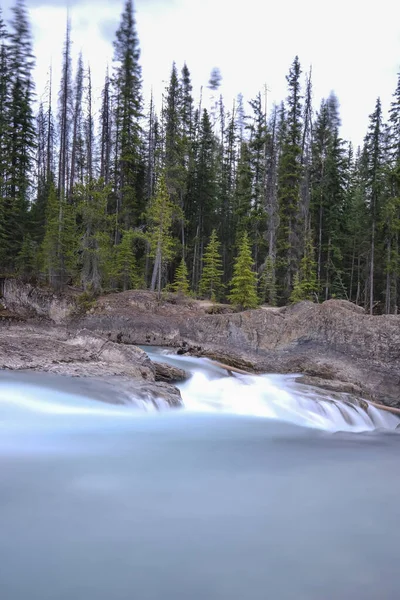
[169, 373]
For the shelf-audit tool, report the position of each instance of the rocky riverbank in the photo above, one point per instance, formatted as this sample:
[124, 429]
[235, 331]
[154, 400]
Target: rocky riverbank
[126, 372]
[333, 345]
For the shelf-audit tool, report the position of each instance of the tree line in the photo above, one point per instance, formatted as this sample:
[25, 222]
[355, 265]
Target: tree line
[225, 203]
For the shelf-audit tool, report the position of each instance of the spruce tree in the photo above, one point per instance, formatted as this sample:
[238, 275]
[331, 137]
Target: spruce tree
[181, 284]
[94, 233]
[27, 261]
[160, 216]
[374, 172]
[244, 280]
[21, 142]
[127, 85]
[305, 283]
[126, 269]
[211, 277]
[268, 287]
[290, 172]
[60, 244]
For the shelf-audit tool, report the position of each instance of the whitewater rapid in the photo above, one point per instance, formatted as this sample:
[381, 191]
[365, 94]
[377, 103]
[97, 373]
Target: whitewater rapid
[31, 400]
[243, 493]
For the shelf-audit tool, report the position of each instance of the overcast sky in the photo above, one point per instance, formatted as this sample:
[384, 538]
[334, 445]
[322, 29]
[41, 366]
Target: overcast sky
[353, 46]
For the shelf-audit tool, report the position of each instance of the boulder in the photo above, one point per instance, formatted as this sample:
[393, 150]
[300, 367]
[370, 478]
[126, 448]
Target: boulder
[169, 373]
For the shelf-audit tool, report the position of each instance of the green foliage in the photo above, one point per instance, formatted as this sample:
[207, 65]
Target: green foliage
[128, 87]
[60, 243]
[160, 217]
[305, 281]
[289, 174]
[211, 277]
[171, 180]
[244, 280]
[85, 301]
[181, 284]
[126, 270]
[268, 283]
[94, 233]
[28, 258]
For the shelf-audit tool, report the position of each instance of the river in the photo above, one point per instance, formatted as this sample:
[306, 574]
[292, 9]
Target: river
[259, 489]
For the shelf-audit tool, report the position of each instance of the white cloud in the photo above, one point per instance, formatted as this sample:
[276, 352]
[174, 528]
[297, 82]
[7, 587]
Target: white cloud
[253, 43]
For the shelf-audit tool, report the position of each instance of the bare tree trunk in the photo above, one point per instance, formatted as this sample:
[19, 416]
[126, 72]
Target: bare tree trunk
[327, 270]
[353, 258]
[76, 119]
[358, 281]
[89, 129]
[49, 149]
[195, 259]
[396, 274]
[159, 276]
[105, 133]
[156, 267]
[371, 273]
[388, 280]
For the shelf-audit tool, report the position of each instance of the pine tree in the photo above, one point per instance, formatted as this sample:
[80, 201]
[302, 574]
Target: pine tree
[290, 172]
[305, 283]
[243, 191]
[175, 169]
[373, 152]
[94, 233]
[268, 282]
[65, 120]
[77, 156]
[27, 261]
[21, 123]
[60, 244]
[128, 91]
[105, 137]
[257, 150]
[181, 284]
[244, 280]
[202, 207]
[160, 218]
[211, 277]
[126, 269]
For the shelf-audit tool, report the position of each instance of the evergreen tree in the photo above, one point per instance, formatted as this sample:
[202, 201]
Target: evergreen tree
[106, 135]
[65, 120]
[203, 200]
[181, 284]
[28, 259]
[160, 218]
[243, 192]
[126, 269]
[60, 244]
[77, 146]
[268, 282]
[129, 152]
[21, 127]
[373, 161]
[289, 232]
[257, 150]
[305, 284]
[244, 280]
[94, 230]
[175, 170]
[211, 277]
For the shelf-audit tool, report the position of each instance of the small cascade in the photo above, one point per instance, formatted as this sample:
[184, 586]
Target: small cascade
[279, 397]
[209, 389]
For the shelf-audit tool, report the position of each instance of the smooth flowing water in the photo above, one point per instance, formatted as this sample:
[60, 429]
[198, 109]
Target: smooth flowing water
[259, 488]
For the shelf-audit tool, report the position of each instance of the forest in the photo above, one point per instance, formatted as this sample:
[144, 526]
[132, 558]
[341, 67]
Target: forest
[221, 203]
